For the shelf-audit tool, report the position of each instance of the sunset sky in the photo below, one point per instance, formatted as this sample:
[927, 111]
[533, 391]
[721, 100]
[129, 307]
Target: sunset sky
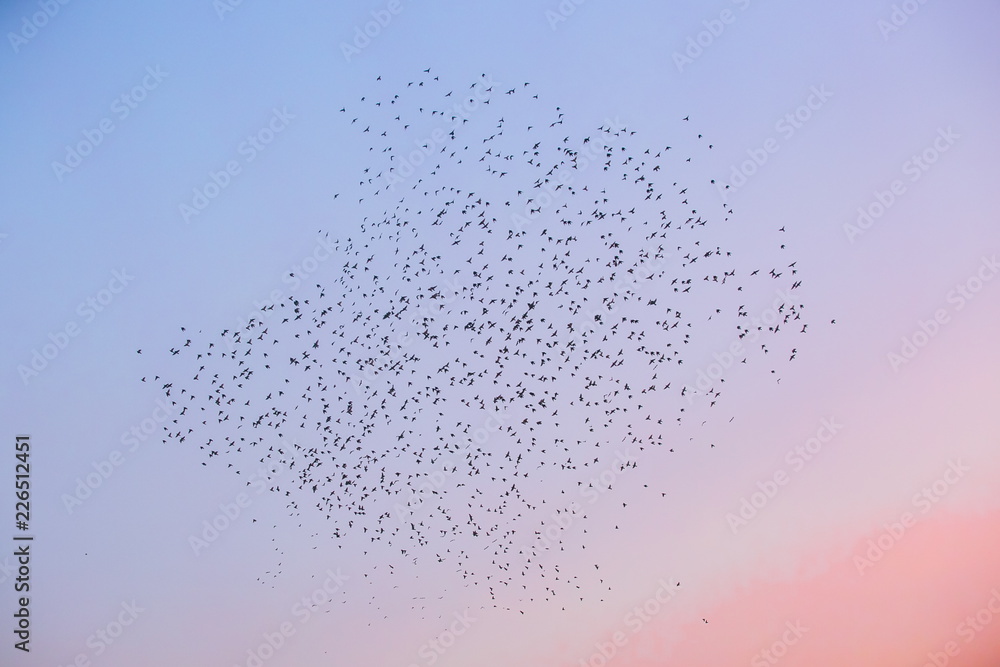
[846, 515]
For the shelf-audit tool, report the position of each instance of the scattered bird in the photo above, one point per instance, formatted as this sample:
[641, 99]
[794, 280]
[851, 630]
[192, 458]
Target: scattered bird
[519, 313]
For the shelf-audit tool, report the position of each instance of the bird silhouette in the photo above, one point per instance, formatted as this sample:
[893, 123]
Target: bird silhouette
[511, 323]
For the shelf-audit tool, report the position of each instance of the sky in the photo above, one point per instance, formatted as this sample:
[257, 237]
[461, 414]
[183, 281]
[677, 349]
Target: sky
[846, 514]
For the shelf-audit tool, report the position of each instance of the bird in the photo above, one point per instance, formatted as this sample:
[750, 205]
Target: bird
[518, 305]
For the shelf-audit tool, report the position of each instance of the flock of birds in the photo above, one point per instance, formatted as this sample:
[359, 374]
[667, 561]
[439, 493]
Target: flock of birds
[520, 300]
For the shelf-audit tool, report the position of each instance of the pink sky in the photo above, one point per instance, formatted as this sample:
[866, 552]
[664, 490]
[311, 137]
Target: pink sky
[914, 601]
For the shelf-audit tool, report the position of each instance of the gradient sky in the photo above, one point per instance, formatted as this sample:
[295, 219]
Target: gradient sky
[892, 94]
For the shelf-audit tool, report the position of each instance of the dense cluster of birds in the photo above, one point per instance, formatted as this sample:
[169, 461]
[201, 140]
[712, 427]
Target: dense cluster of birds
[520, 300]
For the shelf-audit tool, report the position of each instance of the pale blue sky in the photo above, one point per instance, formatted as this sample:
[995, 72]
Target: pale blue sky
[222, 80]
